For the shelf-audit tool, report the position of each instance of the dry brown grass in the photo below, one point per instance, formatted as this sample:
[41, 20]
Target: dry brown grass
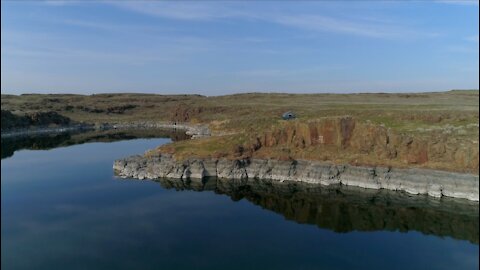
[241, 117]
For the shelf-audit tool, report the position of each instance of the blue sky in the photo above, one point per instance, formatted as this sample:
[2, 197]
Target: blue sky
[223, 47]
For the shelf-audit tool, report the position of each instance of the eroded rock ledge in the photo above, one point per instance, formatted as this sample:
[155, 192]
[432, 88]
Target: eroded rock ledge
[413, 181]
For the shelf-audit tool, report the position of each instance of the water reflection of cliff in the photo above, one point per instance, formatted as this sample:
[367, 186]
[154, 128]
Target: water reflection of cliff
[44, 142]
[345, 209]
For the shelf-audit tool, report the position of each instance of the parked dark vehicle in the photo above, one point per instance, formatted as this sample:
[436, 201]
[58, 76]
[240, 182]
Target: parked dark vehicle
[288, 116]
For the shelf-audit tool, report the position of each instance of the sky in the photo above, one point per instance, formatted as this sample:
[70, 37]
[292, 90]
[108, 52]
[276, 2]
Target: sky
[224, 47]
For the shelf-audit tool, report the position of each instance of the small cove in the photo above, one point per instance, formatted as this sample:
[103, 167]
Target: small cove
[63, 208]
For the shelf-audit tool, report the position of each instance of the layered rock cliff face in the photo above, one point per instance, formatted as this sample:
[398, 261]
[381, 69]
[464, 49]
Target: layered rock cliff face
[345, 209]
[414, 181]
[358, 143]
[330, 151]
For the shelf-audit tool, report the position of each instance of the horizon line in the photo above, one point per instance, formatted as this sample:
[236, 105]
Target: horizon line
[239, 93]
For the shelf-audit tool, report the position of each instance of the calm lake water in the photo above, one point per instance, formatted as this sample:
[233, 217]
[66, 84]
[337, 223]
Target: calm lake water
[63, 209]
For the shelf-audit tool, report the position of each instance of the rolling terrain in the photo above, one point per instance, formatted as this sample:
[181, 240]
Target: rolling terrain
[437, 130]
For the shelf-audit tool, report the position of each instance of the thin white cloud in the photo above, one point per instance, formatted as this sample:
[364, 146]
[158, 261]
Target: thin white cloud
[176, 10]
[116, 27]
[93, 25]
[205, 11]
[473, 38]
[95, 56]
[279, 73]
[462, 49]
[59, 3]
[459, 2]
[87, 55]
[328, 24]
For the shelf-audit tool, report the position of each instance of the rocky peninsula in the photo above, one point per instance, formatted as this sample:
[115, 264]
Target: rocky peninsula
[420, 143]
[414, 181]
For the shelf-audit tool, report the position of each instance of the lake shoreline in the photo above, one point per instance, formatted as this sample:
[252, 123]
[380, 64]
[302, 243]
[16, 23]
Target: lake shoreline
[413, 181]
[196, 131]
[46, 130]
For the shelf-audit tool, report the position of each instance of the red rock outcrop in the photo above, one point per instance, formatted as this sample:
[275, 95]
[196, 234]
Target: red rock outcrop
[344, 137]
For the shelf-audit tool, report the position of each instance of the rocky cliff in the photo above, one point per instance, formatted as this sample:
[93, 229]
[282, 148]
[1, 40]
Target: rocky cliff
[344, 139]
[413, 181]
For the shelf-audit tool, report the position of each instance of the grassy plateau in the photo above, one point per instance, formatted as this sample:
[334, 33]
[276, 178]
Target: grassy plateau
[437, 130]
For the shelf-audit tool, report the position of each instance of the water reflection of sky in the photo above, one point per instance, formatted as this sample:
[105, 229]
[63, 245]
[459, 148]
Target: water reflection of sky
[63, 209]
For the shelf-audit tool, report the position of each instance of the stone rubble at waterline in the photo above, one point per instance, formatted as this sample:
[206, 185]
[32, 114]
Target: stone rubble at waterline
[414, 181]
